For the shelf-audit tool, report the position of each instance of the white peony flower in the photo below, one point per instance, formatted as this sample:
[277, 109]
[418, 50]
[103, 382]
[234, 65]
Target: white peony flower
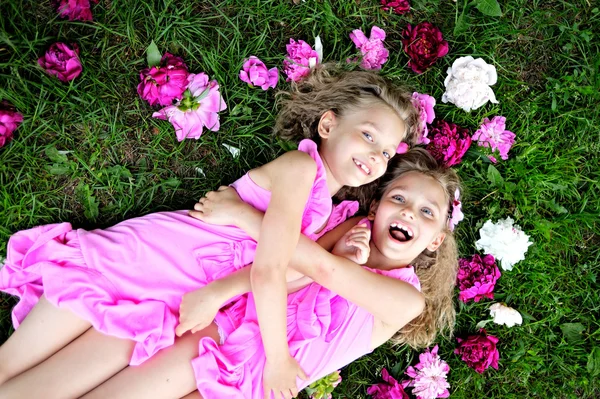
[504, 241]
[505, 315]
[468, 83]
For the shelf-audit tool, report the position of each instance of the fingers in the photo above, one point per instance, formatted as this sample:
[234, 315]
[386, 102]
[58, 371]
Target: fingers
[223, 188]
[302, 375]
[180, 330]
[196, 214]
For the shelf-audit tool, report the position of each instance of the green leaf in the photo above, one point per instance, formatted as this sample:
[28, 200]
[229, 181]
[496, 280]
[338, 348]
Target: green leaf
[593, 363]
[462, 25]
[489, 7]
[58, 169]
[494, 176]
[572, 331]
[153, 55]
[89, 201]
[54, 155]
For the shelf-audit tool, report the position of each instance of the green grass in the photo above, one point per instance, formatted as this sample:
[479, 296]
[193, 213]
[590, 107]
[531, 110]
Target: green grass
[120, 163]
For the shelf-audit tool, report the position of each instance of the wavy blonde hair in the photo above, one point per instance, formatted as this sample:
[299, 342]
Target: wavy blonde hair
[436, 270]
[329, 87]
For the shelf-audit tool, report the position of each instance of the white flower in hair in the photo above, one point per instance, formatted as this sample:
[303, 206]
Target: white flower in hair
[505, 315]
[507, 243]
[457, 214]
[468, 83]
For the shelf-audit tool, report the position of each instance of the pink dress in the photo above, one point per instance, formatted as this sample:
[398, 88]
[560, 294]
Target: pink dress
[128, 280]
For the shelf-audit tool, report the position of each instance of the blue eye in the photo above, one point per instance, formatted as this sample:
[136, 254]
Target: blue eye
[386, 155]
[399, 198]
[427, 211]
[368, 136]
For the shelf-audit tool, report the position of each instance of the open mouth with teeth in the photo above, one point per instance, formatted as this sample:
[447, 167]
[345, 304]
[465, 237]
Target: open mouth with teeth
[362, 166]
[400, 233]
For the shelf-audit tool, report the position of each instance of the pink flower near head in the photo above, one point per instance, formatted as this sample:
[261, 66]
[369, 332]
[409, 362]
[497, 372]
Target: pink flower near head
[493, 134]
[75, 10]
[62, 61]
[374, 54]
[198, 108]
[479, 351]
[448, 142]
[255, 73]
[477, 277]
[424, 103]
[398, 6]
[424, 45]
[301, 57]
[457, 216]
[9, 121]
[164, 83]
[428, 377]
[391, 389]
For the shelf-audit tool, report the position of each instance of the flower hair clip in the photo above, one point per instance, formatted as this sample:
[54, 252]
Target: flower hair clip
[455, 215]
[402, 148]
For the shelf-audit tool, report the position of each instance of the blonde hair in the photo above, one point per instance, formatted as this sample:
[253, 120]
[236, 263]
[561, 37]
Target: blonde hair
[329, 87]
[436, 270]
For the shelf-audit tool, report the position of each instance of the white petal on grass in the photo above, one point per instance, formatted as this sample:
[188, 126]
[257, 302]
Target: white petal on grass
[505, 315]
[200, 171]
[233, 150]
[319, 49]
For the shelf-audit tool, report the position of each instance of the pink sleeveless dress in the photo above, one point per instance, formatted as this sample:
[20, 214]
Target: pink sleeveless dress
[128, 280]
[325, 333]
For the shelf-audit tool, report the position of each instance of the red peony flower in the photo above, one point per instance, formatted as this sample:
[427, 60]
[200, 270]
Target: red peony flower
[448, 142]
[423, 44]
[62, 61]
[477, 277]
[479, 351]
[9, 121]
[391, 389]
[164, 83]
[397, 6]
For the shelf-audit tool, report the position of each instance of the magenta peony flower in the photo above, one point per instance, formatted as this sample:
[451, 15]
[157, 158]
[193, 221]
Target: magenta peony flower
[255, 73]
[479, 351]
[424, 103]
[493, 134]
[164, 83]
[374, 55]
[301, 57]
[75, 10]
[198, 108]
[398, 6]
[62, 61]
[9, 121]
[449, 142]
[428, 377]
[423, 44]
[389, 390]
[477, 277]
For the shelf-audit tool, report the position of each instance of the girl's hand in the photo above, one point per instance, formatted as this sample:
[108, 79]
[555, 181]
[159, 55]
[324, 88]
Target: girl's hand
[198, 309]
[280, 377]
[221, 207]
[354, 245]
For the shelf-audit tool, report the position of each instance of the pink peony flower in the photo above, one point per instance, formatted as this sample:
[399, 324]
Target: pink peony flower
[9, 121]
[374, 55]
[164, 83]
[457, 216]
[424, 103]
[62, 61]
[424, 45]
[398, 6]
[493, 134]
[255, 73]
[428, 377]
[197, 109]
[477, 277]
[449, 142]
[75, 10]
[301, 57]
[389, 390]
[479, 351]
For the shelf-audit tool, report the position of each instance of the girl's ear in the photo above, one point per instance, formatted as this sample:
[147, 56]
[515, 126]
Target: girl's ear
[436, 242]
[326, 122]
[373, 210]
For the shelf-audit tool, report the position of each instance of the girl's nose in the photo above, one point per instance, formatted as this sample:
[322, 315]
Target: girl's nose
[406, 212]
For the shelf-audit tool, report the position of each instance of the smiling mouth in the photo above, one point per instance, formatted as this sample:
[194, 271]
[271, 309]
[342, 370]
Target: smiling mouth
[362, 166]
[400, 233]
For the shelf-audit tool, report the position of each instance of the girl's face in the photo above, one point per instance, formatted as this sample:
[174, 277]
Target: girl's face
[410, 217]
[357, 147]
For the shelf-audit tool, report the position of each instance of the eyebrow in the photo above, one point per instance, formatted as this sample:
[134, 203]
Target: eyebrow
[430, 201]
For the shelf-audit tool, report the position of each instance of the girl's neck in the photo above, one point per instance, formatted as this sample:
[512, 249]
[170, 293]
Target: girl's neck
[332, 185]
[378, 261]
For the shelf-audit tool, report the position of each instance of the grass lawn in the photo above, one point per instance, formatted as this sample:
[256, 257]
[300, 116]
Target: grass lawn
[89, 152]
